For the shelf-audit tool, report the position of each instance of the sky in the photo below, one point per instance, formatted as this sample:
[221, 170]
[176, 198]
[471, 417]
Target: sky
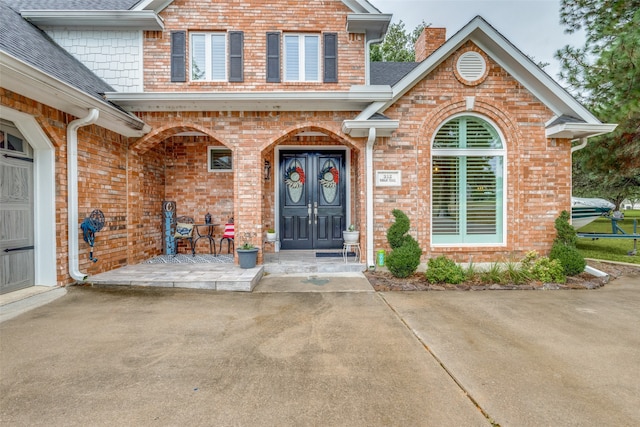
[533, 26]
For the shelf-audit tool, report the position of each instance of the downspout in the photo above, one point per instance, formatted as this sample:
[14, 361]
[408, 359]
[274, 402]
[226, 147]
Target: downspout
[72, 190]
[583, 143]
[369, 192]
[367, 60]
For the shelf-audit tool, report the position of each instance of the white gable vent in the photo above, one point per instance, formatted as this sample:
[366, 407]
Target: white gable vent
[471, 66]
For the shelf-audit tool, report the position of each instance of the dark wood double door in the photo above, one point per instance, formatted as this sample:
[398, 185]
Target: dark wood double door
[312, 199]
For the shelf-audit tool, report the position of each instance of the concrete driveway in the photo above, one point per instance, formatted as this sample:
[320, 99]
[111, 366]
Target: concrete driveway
[148, 356]
[533, 358]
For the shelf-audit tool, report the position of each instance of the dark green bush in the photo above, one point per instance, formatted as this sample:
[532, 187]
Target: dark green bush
[566, 234]
[405, 253]
[571, 260]
[404, 261]
[396, 233]
[444, 270]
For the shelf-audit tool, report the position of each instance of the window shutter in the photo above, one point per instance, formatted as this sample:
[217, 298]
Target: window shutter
[236, 56]
[178, 56]
[330, 57]
[273, 57]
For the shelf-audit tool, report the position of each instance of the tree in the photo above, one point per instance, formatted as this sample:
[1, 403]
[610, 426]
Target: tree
[605, 75]
[398, 45]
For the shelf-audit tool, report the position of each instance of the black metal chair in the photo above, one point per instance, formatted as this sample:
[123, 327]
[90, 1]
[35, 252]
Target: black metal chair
[184, 231]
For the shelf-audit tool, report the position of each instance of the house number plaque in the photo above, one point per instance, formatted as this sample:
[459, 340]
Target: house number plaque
[388, 178]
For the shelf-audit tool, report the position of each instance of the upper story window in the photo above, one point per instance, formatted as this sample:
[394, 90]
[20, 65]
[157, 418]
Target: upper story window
[301, 58]
[208, 56]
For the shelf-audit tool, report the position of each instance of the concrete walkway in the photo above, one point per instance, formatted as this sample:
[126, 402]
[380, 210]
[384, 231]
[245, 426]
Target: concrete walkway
[324, 349]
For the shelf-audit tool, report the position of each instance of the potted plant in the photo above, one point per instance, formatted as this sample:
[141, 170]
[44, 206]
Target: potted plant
[351, 235]
[271, 235]
[247, 252]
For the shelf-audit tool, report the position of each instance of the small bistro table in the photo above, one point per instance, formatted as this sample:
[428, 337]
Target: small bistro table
[208, 235]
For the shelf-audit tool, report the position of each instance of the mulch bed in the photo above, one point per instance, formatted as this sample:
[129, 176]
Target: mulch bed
[385, 281]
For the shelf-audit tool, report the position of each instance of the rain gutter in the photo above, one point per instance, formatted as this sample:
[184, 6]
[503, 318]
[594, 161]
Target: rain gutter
[72, 190]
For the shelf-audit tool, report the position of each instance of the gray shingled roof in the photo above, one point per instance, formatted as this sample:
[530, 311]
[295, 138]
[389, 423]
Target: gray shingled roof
[28, 43]
[71, 4]
[390, 73]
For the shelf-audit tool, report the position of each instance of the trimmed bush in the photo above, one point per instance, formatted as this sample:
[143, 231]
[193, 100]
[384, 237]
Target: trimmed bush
[566, 234]
[571, 260]
[396, 233]
[405, 255]
[444, 270]
[564, 247]
[404, 261]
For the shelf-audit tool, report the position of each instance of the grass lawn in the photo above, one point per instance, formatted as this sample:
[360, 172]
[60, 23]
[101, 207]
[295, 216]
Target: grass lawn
[610, 249]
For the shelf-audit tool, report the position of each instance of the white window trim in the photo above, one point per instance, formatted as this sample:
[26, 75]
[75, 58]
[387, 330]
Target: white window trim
[211, 149]
[207, 59]
[301, 57]
[472, 152]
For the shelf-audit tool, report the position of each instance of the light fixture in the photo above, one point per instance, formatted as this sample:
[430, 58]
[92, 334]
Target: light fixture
[267, 170]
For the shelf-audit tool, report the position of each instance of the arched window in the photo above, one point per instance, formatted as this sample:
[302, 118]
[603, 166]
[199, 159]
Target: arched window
[467, 185]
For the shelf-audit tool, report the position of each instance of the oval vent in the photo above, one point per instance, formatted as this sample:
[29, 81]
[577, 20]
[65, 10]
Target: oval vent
[471, 66]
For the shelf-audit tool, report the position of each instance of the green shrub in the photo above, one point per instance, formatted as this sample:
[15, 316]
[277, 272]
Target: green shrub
[571, 260]
[543, 269]
[404, 258]
[396, 233]
[444, 270]
[404, 261]
[566, 234]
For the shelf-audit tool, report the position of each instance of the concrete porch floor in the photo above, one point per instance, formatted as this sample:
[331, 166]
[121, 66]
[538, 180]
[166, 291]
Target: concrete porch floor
[220, 273]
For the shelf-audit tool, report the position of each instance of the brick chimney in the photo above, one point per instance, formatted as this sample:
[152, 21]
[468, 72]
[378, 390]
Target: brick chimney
[430, 40]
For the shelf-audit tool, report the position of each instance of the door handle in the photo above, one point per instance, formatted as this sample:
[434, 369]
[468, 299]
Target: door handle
[315, 213]
[309, 212]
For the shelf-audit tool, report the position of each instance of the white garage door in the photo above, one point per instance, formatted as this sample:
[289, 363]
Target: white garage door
[16, 210]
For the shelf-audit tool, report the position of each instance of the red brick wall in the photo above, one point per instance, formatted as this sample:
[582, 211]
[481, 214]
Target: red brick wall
[252, 137]
[129, 179]
[102, 184]
[539, 170]
[255, 18]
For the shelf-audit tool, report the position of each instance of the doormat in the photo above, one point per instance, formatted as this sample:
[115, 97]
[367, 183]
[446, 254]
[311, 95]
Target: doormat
[333, 254]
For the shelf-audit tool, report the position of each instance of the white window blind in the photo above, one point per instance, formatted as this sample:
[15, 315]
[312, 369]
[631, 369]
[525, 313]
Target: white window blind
[302, 58]
[208, 56]
[467, 183]
[292, 55]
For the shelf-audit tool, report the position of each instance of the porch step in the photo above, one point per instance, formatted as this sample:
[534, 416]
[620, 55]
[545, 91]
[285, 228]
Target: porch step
[220, 277]
[293, 268]
[292, 262]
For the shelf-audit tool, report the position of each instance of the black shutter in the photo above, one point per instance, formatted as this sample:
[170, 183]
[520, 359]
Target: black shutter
[178, 56]
[330, 57]
[273, 57]
[236, 56]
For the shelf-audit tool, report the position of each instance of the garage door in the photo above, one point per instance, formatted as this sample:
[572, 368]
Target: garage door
[16, 211]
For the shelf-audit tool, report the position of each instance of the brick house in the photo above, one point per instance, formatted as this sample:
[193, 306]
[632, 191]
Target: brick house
[269, 112]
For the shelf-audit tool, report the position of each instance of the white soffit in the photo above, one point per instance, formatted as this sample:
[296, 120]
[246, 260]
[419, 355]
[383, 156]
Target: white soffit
[89, 19]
